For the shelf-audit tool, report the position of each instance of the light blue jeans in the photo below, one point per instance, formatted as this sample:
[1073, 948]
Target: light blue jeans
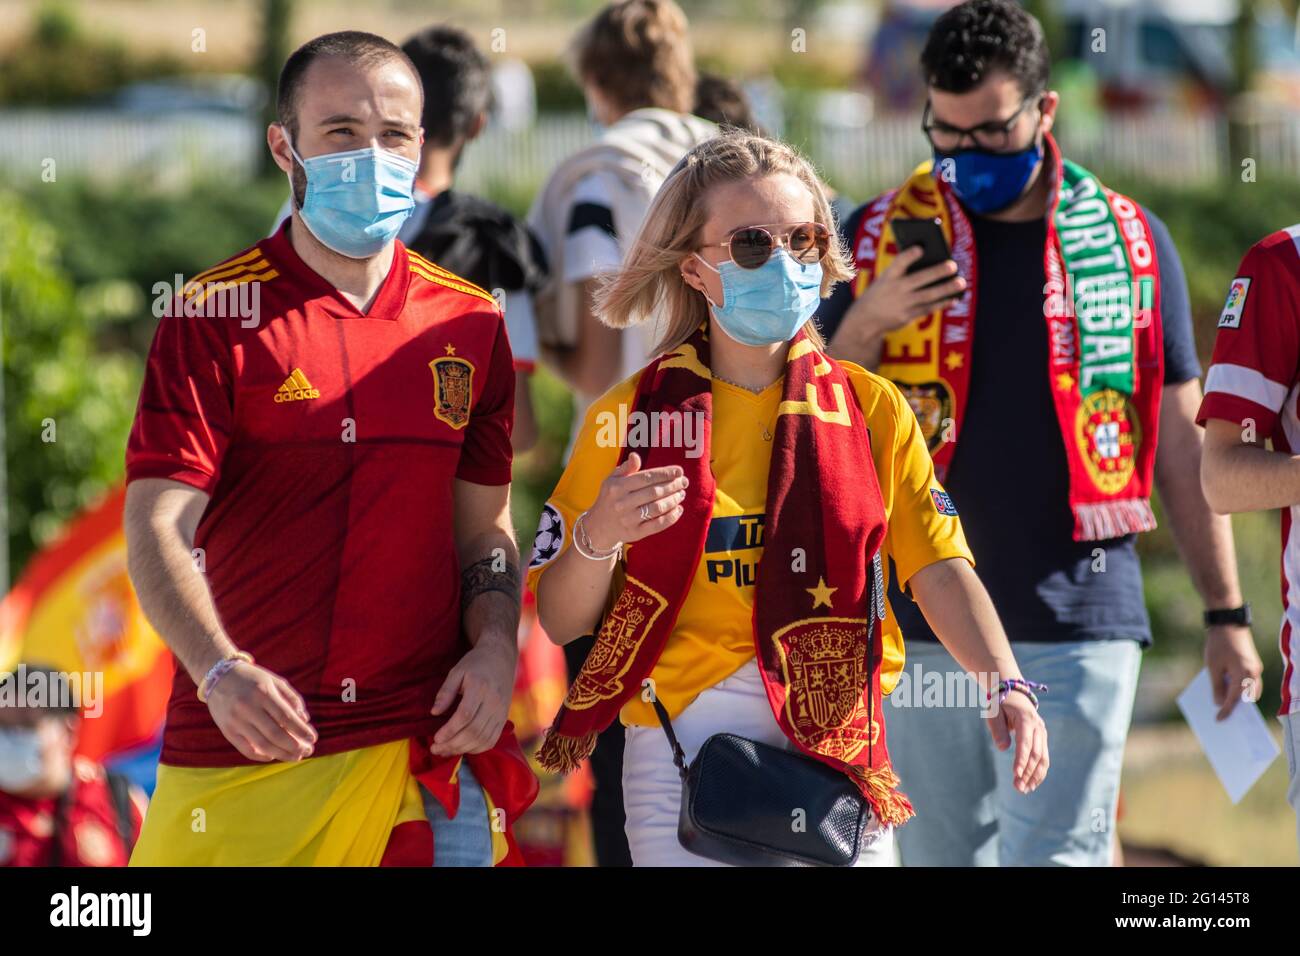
[466, 839]
[968, 813]
[1291, 744]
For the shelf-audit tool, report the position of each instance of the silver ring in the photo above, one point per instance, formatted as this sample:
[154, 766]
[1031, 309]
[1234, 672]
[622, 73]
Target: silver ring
[645, 512]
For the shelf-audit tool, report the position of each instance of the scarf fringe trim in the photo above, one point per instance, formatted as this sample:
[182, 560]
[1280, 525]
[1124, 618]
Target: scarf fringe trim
[879, 785]
[562, 753]
[1098, 521]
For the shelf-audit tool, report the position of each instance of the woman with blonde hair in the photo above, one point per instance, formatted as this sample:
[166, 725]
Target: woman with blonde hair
[723, 525]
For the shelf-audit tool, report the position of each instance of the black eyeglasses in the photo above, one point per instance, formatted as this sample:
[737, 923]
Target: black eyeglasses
[994, 135]
[807, 242]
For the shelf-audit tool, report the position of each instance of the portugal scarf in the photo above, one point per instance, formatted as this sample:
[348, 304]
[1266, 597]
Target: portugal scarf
[819, 595]
[1105, 356]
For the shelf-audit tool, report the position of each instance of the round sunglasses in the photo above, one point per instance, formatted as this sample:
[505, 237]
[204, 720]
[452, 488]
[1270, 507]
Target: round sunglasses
[750, 247]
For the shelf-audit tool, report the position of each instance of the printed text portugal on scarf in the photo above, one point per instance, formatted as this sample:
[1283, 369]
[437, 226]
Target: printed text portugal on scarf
[1105, 354]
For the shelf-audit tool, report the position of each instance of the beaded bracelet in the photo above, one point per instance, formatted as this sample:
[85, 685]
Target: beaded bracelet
[582, 543]
[219, 670]
[1026, 687]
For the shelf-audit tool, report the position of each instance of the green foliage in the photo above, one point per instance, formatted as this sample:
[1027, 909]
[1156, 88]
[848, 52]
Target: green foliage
[60, 64]
[557, 90]
[1213, 225]
[128, 233]
[68, 402]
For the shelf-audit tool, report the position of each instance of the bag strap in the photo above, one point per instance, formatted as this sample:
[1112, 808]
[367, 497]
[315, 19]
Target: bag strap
[679, 756]
[119, 788]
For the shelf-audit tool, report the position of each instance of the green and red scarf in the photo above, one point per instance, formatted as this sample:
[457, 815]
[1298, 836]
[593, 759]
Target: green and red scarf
[819, 599]
[1105, 353]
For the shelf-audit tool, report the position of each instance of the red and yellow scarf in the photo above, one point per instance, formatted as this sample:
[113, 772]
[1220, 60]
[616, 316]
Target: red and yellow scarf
[1105, 355]
[819, 598]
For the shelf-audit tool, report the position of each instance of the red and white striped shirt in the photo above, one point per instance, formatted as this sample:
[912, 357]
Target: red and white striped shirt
[1255, 380]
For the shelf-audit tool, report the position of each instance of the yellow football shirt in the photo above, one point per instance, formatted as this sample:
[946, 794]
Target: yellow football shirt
[713, 636]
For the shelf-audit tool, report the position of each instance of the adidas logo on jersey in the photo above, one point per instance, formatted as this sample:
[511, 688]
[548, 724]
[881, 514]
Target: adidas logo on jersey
[296, 388]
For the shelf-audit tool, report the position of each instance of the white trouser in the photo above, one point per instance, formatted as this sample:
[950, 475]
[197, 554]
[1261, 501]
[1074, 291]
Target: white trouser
[652, 790]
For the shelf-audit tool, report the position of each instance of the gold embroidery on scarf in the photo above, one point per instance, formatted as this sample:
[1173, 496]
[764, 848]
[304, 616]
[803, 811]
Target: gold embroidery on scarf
[839, 415]
[624, 628]
[824, 666]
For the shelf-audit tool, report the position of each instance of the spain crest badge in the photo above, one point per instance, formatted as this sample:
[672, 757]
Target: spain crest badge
[453, 388]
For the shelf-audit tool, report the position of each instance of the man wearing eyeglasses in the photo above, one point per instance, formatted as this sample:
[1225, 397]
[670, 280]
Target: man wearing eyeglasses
[1043, 361]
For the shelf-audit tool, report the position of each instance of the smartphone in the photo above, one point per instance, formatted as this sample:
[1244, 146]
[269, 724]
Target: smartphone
[926, 233]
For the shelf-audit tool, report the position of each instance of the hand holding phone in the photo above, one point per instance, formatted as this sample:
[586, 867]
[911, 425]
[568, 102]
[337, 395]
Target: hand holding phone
[922, 277]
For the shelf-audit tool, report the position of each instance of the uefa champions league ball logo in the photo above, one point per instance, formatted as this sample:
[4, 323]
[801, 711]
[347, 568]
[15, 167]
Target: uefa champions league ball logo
[549, 538]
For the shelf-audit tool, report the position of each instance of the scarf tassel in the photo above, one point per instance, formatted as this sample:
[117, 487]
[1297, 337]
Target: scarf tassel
[880, 787]
[1100, 521]
[562, 753]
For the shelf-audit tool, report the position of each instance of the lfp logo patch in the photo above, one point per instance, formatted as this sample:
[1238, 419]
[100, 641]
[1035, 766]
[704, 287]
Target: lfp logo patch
[1230, 317]
[942, 503]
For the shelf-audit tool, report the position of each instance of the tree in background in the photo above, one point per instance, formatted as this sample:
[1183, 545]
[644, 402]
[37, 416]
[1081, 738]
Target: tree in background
[67, 403]
[276, 15]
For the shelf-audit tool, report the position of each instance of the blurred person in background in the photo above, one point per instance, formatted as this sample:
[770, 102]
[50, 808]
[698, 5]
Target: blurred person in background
[794, 453]
[1252, 395]
[1044, 430]
[636, 67]
[637, 70]
[468, 235]
[347, 706]
[57, 808]
[721, 100]
[464, 234]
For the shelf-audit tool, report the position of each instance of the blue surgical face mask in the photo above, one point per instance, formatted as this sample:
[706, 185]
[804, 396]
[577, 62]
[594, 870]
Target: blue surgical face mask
[988, 182]
[356, 201]
[769, 304]
[21, 766]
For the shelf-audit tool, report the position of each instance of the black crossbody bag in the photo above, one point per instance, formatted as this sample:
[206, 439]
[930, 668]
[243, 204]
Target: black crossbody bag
[741, 798]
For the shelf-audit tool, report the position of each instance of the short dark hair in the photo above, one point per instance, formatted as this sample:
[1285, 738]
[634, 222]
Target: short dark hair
[722, 100]
[980, 37]
[362, 49]
[54, 703]
[457, 80]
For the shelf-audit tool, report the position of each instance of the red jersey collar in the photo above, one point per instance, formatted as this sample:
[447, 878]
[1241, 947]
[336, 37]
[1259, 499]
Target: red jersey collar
[388, 303]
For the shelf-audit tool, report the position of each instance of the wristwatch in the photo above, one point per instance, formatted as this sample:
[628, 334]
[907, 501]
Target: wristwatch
[1231, 615]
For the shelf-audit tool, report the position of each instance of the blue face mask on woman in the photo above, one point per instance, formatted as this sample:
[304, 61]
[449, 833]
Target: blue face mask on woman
[769, 304]
[988, 182]
[356, 201]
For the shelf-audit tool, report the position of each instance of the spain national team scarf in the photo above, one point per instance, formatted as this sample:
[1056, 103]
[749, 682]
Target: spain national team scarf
[819, 598]
[1105, 356]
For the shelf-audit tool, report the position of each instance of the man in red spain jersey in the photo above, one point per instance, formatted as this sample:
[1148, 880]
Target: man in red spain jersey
[317, 516]
[1252, 395]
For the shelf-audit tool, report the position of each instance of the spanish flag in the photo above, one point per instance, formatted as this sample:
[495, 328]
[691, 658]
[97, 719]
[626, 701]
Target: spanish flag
[74, 609]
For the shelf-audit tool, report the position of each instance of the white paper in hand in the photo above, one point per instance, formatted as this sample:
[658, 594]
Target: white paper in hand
[1240, 748]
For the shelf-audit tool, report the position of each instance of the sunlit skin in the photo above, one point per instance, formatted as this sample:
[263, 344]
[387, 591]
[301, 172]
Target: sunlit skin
[341, 108]
[572, 594]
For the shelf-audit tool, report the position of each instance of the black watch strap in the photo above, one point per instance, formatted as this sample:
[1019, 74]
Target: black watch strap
[1232, 615]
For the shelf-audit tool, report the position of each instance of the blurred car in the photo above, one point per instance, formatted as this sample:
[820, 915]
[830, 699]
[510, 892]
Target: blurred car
[1177, 53]
[229, 93]
[1148, 53]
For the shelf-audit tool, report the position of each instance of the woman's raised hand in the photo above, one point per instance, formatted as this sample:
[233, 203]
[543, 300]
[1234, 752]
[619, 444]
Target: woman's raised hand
[634, 504]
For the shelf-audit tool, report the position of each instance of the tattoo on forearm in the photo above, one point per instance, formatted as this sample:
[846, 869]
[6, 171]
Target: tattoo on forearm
[489, 575]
